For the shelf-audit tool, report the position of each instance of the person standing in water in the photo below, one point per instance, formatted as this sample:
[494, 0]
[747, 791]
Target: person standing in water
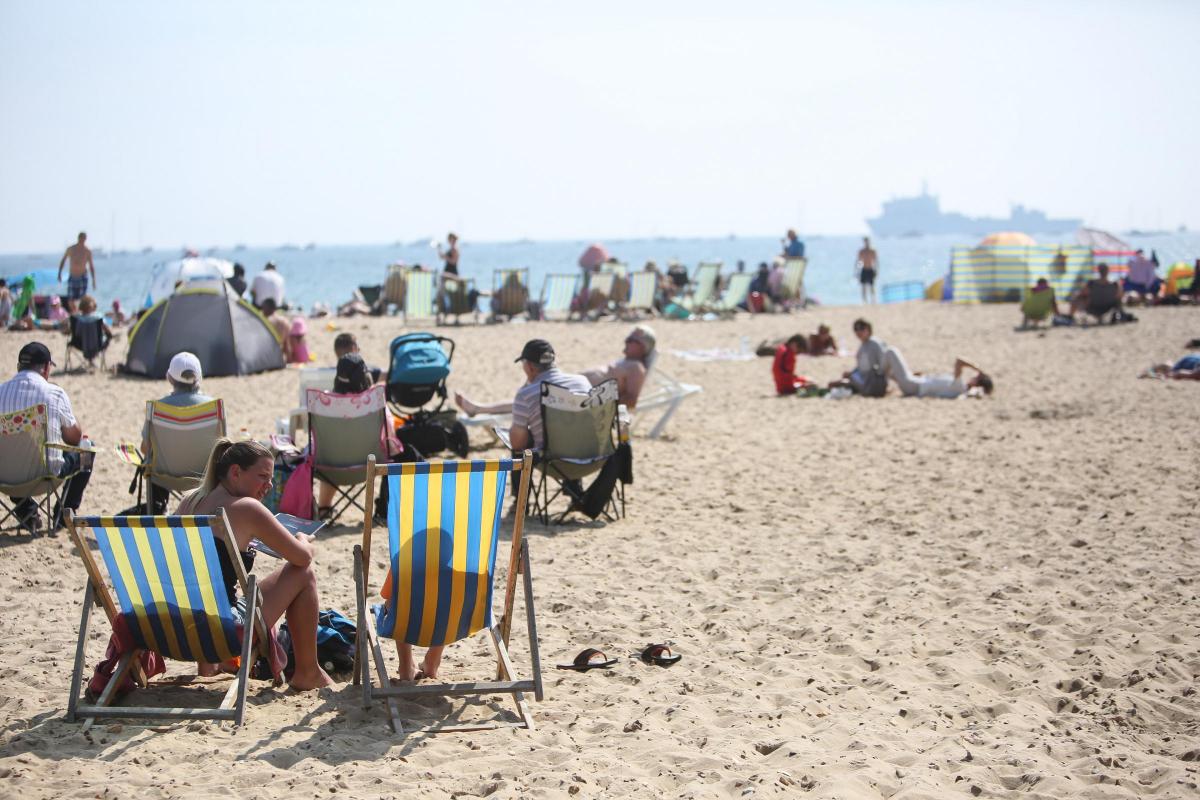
[81, 264]
[867, 267]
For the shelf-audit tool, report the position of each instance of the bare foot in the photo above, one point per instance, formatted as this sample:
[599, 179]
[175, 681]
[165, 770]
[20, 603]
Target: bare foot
[304, 682]
[466, 405]
[207, 670]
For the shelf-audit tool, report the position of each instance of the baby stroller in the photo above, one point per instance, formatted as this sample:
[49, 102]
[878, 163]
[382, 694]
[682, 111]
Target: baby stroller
[418, 366]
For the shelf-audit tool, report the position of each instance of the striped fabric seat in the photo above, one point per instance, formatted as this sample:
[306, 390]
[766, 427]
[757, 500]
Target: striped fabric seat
[704, 285]
[510, 291]
[600, 290]
[792, 285]
[169, 586]
[181, 438]
[557, 293]
[418, 295]
[735, 293]
[442, 535]
[642, 286]
[163, 591]
[444, 522]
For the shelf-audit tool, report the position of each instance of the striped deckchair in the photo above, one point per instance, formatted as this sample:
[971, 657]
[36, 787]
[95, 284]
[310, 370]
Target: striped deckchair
[642, 286]
[393, 287]
[599, 292]
[704, 286]
[25, 470]
[418, 295]
[557, 293]
[457, 296]
[170, 599]
[181, 439]
[443, 535]
[791, 288]
[734, 295]
[510, 292]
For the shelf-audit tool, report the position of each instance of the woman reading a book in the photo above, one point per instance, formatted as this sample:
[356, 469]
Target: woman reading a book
[237, 478]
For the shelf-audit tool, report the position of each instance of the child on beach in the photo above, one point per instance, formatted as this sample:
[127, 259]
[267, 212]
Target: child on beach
[298, 342]
[783, 369]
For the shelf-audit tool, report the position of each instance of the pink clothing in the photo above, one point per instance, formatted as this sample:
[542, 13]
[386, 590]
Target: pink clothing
[299, 353]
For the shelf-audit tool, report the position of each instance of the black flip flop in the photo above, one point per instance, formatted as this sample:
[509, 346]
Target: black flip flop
[583, 662]
[653, 654]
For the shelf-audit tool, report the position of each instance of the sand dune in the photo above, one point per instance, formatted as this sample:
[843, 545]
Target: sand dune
[874, 599]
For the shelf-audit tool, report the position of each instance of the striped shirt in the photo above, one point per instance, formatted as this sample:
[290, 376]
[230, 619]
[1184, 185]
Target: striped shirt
[527, 405]
[28, 388]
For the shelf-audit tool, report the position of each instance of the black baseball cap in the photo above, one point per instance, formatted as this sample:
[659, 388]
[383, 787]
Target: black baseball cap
[537, 351]
[34, 354]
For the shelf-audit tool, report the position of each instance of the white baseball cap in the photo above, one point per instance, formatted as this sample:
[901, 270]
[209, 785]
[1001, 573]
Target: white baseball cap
[185, 368]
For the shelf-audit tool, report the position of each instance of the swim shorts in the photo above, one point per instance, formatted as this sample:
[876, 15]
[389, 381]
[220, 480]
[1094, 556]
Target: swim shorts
[77, 286]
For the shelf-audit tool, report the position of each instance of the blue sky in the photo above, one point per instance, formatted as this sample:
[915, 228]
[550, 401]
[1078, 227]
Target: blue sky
[219, 123]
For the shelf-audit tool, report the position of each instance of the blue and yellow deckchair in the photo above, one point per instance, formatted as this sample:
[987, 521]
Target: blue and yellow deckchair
[443, 535]
[169, 599]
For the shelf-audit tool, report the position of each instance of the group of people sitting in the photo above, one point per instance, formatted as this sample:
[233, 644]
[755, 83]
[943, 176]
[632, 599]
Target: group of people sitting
[875, 365]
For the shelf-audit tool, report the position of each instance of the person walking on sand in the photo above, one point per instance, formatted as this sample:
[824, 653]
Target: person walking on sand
[81, 264]
[867, 268]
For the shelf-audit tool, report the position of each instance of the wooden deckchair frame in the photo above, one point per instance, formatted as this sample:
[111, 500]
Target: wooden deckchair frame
[505, 682]
[254, 635]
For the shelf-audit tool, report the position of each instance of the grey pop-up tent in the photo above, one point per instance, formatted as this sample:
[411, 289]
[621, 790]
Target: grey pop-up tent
[226, 333]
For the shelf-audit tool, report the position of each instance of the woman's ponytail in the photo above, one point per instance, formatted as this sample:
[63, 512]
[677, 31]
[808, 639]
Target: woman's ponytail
[225, 453]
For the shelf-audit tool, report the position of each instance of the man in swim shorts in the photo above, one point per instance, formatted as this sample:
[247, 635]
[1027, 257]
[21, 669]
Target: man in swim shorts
[867, 266]
[81, 264]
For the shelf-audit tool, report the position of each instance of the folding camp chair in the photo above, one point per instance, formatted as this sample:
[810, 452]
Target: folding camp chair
[393, 288]
[89, 338]
[642, 287]
[457, 296]
[418, 295]
[181, 439]
[599, 293]
[344, 430]
[662, 391]
[1036, 306]
[510, 292]
[443, 534]
[558, 292]
[791, 288]
[25, 466]
[580, 432]
[170, 599]
[734, 295]
[704, 286]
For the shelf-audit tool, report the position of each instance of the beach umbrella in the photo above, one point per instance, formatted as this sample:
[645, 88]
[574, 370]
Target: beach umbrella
[1007, 239]
[593, 257]
[1096, 239]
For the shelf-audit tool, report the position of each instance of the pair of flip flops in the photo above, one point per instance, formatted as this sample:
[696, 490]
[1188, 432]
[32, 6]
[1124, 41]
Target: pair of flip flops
[591, 658]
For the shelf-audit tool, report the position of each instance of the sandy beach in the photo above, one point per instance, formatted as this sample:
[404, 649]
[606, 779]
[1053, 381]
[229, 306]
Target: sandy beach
[890, 598]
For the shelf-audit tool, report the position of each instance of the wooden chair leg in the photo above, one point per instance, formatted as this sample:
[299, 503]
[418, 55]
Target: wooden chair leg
[531, 622]
[360, 620]
[89, 597]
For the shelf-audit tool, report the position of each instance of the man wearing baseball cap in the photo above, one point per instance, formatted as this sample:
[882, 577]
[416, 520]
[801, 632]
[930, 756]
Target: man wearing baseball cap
[30, 388]
[184, 374]
[537, 361]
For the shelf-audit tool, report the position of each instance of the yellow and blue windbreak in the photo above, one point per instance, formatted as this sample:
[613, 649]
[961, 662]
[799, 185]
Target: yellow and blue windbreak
[443, 528]
[169, 585]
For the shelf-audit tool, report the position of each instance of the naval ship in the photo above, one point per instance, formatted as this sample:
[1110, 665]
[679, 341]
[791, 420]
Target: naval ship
[920, 215]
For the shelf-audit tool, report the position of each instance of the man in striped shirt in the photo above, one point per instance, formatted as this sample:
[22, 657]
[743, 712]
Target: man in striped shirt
[28, 388]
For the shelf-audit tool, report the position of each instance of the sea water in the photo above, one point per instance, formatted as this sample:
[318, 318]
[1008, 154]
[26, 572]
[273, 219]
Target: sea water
[329, 273]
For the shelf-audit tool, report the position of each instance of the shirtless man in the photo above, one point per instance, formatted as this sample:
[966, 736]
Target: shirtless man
[81, 264]
[867, 267]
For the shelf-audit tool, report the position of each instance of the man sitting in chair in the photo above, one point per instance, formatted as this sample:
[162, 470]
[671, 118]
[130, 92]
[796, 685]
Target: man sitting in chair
[1098, 297]
[31, 387]
[184, 375]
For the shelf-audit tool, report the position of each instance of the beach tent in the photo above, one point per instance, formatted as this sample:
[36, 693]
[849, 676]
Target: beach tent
[226, 333]
[991, 273]
[204, 272]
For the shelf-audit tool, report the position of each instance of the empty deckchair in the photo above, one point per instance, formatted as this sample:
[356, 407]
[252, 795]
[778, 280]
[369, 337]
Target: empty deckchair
[443, 536]
[734, 295]
[791, 288]
[25, 469]
[580, 430]
[642, 287]
[510, 292]
[703, 287]
[344, 430]
[163, 590]
[661, 391]
[418, 295]
[558, 291]
[181, 439]
[456, 297]
[393, 288]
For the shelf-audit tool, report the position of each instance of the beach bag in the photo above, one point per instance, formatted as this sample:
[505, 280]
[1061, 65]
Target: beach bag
[297, 496]
[336, 634]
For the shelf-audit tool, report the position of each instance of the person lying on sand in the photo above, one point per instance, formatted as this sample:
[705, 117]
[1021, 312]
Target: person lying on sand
[237, 478]
[1185, 369]
[915, 384]
[820, 343]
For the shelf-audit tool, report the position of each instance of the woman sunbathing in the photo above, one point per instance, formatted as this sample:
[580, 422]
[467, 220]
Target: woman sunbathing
[237, 478]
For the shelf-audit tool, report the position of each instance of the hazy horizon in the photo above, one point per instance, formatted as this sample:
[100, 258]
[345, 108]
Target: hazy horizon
[278, 122]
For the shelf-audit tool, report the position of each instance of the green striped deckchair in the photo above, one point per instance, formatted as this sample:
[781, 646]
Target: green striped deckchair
[443, 531]
[704, 286]
[418, 295]
[734, 295]
[642, 286]
[558, 291]
[167, 596]
[792, 285]
[599, 292]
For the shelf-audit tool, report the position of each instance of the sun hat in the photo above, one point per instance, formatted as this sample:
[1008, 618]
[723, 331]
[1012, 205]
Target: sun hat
[184, 368]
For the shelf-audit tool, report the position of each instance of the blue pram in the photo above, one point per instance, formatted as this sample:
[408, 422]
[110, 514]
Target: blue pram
[418, 367]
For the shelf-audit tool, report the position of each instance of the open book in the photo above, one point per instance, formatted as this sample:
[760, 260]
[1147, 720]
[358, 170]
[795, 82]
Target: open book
[293, 524]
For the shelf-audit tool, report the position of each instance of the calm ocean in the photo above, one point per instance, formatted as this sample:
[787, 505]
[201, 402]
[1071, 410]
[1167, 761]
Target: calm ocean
[330, 273]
